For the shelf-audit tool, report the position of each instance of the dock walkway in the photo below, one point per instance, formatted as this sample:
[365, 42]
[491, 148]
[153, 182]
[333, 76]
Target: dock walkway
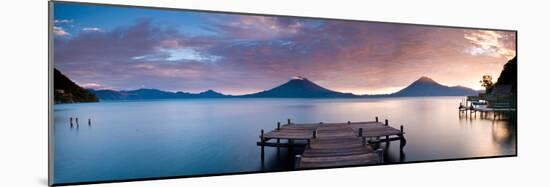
[334, 144]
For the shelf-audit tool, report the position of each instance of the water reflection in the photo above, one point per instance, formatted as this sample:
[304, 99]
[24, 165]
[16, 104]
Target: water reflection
[193, 137]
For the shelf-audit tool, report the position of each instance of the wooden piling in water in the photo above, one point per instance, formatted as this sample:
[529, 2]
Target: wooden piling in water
[290, 146]
[315, 133]
[376, 118]
[288, 121]
[401, 142]
[278, 139]
[89, 121]
[297, 160]
[387, 137]
[380, 153]
[262, 146]
[363, 139]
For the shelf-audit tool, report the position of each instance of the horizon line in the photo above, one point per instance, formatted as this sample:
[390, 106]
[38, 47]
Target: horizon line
[366, 94]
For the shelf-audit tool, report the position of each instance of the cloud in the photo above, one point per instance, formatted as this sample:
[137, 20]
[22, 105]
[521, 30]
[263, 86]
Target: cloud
[140, 54]
[59, 31]
[92, 29]
[491, 43]
[92, 85]
[253, 53]
[62, 21]
[255, 27]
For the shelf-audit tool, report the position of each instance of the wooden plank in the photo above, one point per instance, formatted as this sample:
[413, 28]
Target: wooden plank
[337, 151]
[289, 135]
[329, 124]
[273, 144]
[336, 145]
[337, 161]
[331, 131]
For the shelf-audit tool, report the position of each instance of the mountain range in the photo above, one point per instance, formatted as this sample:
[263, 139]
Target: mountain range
[145, 94]
[297, 87]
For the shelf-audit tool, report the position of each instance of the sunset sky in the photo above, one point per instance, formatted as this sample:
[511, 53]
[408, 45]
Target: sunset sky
[122, 48]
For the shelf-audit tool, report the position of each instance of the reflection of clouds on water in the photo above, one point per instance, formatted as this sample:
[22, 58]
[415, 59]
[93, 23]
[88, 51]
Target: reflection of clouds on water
[219, 136]
[502, 130]
[492, 135]
[300, 106]
[503, 133]
[500, 133]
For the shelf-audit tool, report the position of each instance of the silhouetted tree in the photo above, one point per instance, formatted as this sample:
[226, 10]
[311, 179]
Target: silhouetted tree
[487, 82]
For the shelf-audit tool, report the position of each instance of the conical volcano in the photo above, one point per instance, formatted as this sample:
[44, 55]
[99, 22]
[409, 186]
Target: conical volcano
[426, 86]
[300, 87]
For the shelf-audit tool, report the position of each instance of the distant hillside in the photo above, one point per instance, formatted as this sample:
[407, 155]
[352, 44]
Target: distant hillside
[509, 74]
[66, 91]
[425, 86]
[145, 94]
[300, 87]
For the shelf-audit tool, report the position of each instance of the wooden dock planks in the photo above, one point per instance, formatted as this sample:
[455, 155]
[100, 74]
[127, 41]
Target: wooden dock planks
[335, 144]
[338, 161]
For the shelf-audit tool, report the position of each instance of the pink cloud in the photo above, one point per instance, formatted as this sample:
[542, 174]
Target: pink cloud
[59, 31]
[92, 85]
[491, 43]
[258, 27]
[343, 56]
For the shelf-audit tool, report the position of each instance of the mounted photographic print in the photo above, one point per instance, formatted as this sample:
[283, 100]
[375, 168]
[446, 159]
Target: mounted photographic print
[141, 93]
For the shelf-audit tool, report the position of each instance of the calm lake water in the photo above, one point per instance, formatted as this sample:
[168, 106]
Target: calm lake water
[145, 139]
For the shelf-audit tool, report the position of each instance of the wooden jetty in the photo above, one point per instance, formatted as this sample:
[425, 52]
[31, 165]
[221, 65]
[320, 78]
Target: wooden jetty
[475, 104]
[334, 144]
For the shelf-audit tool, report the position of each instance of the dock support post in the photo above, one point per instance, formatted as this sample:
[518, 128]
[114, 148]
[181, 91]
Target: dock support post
[380, 153]
[315, 133]
[376, 118]
[278, 139]
[363, 139]
[401, 142]
[288, 121]
[349, 122]
[290, 147]
[387, 137]
[297, 160]
[262, 146]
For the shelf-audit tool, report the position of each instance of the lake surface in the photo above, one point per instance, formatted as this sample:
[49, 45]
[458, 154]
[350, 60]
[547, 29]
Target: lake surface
[142, 139]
